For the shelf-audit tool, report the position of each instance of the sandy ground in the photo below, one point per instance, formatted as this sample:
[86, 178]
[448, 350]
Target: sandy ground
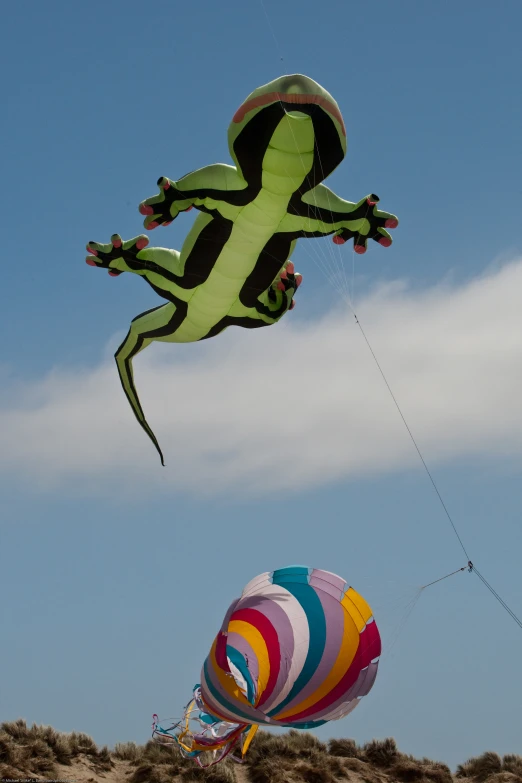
[82, 770]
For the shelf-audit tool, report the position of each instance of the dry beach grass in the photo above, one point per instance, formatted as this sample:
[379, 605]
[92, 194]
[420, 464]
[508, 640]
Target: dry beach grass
[44, 754]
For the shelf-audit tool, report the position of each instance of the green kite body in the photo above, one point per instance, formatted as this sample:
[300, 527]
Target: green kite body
[234, 268]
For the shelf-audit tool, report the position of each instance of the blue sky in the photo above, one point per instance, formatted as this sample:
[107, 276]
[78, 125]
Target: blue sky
[281, 447]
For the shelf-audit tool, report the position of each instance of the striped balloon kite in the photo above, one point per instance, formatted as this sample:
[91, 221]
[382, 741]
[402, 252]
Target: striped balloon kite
[297, 649]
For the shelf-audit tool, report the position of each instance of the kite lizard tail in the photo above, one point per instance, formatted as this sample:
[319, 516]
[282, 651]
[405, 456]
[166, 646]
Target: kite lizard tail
[130, 347]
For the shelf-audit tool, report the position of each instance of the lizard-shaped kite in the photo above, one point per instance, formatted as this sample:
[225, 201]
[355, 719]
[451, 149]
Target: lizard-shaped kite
[234, 268]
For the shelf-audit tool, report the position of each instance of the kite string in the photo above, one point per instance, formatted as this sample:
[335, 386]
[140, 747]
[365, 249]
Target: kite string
[402, 623]
[277, 46]
[330, 274]
[496, 595]
[410, 606]
[430, 476]
[470, 565]
[447, 576]
[410, 433]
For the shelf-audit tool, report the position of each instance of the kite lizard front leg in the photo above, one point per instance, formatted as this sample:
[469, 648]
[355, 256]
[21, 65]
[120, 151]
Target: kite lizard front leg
[321, 211]
[164, 208]
[218, 186]
[372, 226]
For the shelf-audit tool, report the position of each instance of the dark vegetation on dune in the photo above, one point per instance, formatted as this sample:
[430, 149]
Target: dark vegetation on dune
[44, 754]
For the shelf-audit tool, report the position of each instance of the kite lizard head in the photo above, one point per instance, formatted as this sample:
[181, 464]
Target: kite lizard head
[295, 116]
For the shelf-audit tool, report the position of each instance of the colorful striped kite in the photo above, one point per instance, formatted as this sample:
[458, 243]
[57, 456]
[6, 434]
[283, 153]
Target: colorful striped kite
[297, 649]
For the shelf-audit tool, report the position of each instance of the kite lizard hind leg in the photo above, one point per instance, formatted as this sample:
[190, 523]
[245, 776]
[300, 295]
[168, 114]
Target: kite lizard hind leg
[274, 304]
[144, 329]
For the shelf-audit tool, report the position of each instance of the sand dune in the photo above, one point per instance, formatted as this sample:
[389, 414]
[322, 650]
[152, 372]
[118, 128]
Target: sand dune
[40, 753]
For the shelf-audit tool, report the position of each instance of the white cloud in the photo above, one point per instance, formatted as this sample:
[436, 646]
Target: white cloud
[298, 404]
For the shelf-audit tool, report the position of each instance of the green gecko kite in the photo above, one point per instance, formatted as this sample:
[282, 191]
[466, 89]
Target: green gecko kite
[234, 268]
